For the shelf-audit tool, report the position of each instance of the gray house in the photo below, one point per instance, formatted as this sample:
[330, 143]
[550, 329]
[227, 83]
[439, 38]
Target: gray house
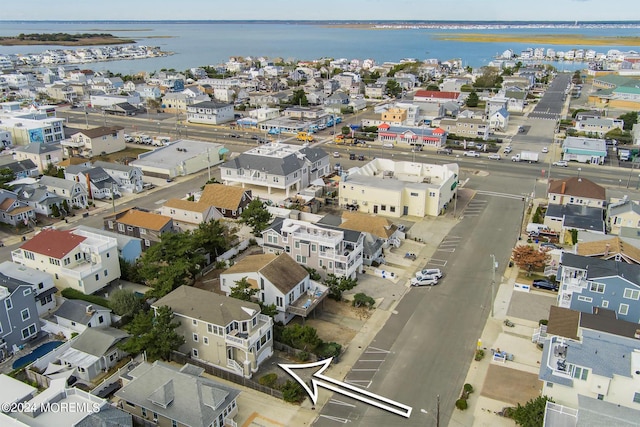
[19, 320]
[94, 351]
[72, 191]
[589, 284]
[166, 395]
[79, 315]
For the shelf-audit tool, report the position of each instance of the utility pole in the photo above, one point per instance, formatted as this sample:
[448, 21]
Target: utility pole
[438, 411]
[113, 198]
[494, 266]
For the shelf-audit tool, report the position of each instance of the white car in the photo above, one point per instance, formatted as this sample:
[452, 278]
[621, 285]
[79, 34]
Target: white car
[336, 154]
[424, 281]
[562, 163]
[494, 157]
[508, 149]
[471, 154]
[435, 272]
[388, 145]
[545, 150]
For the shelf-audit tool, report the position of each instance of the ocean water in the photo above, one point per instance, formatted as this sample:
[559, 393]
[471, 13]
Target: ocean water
[210, 43]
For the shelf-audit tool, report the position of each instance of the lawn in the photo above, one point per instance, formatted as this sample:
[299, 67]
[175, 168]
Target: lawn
[124, 156]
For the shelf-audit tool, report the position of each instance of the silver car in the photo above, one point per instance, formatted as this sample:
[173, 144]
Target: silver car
[424, 281]
[430, 272]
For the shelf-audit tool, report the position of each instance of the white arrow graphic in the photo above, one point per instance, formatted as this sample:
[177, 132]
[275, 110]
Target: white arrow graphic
[320, 380]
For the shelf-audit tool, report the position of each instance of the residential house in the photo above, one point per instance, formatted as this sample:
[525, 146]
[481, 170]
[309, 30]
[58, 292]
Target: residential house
[19, 321]
[94, 142]
[20, 168]
[189, 215]
[211, 113]
[94, 352]
[128, 178]
[30, 127]
[78, 259]
[584, 150]
[41, 284]
[499, 120]
[599, 126]
[40, 199]
[78, 315]
[73, 192]
[13, 211]
[437, 97]
[593, 356]
[576, 191]
[393, 189]
[281, 281]
[625, 213]
[275, 165]
[108, 101]
[139, 223]
[616, 248]
[495, 104]
[129, 247]
[225, 332]
[168, 396]
[467, 128]
[43, 155]
[97, 181]
[563, 218]
[454, 84]
[591, 283]
[394, 116]
[61, 91]
[420, 136]
[176, 102]
[375, 90]
[515, 99]
[328, 250]
[88, 410]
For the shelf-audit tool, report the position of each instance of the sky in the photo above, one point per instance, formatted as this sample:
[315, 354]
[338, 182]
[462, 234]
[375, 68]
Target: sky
[473, 10]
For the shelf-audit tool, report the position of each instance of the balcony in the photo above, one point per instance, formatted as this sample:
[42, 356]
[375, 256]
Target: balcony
[72, 143]
[318, 236]
[309, 300]
[244, 340]
[557, 358]
[17, 257]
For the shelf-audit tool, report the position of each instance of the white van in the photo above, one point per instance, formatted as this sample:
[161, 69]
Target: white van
[435, 272]
[536, 228]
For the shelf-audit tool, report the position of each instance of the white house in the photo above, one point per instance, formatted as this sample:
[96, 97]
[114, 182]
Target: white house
[78, 315]
[210, 113]
[94, 142]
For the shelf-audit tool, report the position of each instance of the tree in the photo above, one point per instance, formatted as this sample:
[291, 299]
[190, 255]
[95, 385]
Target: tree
[156, 335]
[268, 309]
[55, 211]
[337, 285]
[630, 119]
[6, 176]
[256, 216]
[433, 87]
[213, 237]
[298, 97]
[243, 290]
[490, 78]
[472, 99]
[529, 258]
[393, 88]
[125, 303]
[532, 413]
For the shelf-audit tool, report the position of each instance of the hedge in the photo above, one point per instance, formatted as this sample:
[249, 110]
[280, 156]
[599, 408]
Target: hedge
[70, 293]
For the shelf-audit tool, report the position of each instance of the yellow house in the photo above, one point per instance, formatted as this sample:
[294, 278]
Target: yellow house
[394, 189]
[394, 116]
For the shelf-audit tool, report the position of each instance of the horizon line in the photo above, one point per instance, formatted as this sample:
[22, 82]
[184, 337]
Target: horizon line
[326, 20]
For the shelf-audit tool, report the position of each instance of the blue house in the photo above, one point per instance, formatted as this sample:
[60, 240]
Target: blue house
[588, 284]
[19, 321]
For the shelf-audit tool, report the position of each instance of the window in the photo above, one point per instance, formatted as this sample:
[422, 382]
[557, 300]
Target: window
[605, 304]
[194, 322]
[106, 273]
[209, 328]
[301, 259]
[121, 228]
[432, 194]
[131, 404]
[174, 423]
[279, 301]
[205, 340]
[8, 303]
[580, 373]
[623, 309]
[97, 277]
[392, 208]
[195, 337]
[143, 231]
[636, 397]
[287, 249]
[110, 224]
[194, 352]
[147, 243]
[313, 247]
[585, 299]
[632, 293]
[383, 207]
[596, 287]
[144, 412]
[26, 292]
[108, 254]
[297, 245]
[25, 314]
[54, 261]
[29, 255]
[78, 256]
[29, 331]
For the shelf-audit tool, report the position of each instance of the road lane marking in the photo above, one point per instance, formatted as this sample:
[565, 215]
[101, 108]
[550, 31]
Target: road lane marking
[336, 419]
[341, 403]
[377, 350]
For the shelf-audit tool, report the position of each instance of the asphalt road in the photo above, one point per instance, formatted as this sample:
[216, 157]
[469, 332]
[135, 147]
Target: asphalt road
[550, 105]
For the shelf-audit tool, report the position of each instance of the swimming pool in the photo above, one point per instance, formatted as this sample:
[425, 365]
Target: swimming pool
[36, 353]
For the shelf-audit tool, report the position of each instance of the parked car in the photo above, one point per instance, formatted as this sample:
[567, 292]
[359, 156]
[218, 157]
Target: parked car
[336, 154]
[256, 137]
[471, 154]
[337, 167]
[424, 281]
[545, 284]
[494, 157]
[430, 272]
[508, 149]
[545, 149]
[562, 163]
[388, 145]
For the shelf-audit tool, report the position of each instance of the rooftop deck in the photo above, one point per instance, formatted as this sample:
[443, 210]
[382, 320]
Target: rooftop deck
[309, 300]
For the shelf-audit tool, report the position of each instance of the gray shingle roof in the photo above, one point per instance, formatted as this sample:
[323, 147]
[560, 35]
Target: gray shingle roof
[76, 310]
[51, 181]
[597, 413]
[207, 306]
[597, 268]
[113, 166]
[108, 416]
[616, 360]
[37, 148]
[17, 166]
[192, 398]
[97, 341]
[271, 165]
[314, 154]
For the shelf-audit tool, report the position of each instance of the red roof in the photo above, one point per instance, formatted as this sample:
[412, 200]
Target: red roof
[53, 243]
[436, 94]
[439, 131]
[383, 126]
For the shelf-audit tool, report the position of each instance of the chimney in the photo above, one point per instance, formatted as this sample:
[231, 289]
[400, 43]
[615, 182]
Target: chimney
[564, 187]
[89, 309]
[89, 186]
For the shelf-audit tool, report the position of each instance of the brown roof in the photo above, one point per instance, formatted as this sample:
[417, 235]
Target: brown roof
[6, 203]
[148, 220]
[100, 131]
[72, 161]
[223, 196]
[578, 188]
[378, 226]
[281, 270]
[437, 94]
[53, 243]
[563, 322]
[616, 246]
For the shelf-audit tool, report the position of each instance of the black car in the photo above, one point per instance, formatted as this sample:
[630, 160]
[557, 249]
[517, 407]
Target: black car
[352, 156]
[360, 157]
[545, 284]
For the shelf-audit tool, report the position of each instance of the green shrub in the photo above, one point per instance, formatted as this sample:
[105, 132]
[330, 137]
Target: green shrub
[362, 299]
[462, 404]
[292, 392]
[268, 380]
[303, 356]
[543, 322]
[328, 349]
[70, 293]
[468, 388]
[479, 354]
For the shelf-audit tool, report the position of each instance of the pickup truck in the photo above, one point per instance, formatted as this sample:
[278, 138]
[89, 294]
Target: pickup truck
[471, 154]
